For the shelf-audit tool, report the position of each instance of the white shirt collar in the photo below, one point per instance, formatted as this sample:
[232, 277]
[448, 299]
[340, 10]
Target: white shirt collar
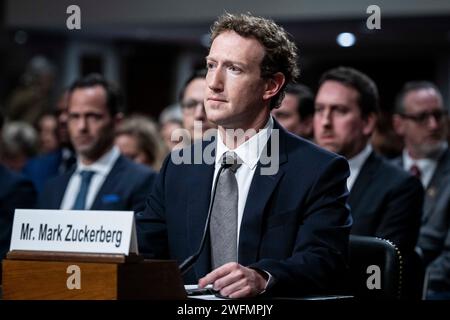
[357, 161]
[356, 164]
[103, 165]
[427, 166]
[250, 151]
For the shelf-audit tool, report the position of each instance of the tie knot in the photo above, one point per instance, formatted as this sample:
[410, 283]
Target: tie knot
[415, 171]
[86, 175]
[231, 161]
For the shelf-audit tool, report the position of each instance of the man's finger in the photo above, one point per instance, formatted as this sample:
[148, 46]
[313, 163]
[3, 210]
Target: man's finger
[216, 274]
[233, 287]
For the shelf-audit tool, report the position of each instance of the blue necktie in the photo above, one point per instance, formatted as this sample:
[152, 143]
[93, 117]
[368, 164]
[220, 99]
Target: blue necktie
[80, 201]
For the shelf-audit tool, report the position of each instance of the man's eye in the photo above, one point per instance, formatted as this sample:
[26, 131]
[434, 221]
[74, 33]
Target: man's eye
[209, 65]
[341, 110]
[234, 69]
[318, 109]
[95, 117]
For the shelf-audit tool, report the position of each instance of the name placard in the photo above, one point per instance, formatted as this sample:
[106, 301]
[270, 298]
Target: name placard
[85, 231]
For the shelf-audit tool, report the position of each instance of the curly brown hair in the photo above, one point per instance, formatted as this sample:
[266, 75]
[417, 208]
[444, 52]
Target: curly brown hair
[280, 52]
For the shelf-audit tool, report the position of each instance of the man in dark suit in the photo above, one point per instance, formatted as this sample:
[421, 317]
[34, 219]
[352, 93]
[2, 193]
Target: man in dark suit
[102, 179]
[279, 222]
[296, 111]
[192, 105]
[422, 122]
[15, 193]
[385, 202]
[41, 168]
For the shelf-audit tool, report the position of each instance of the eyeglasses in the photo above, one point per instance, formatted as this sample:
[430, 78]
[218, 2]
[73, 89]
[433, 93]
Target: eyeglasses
[423, 117]
[191, 104]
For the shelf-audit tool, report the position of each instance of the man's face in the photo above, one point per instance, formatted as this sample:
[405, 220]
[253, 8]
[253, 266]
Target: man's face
[47, 133]
[424, 125]
[194, 109]
[235, 93]
[338, 124]
[288, 116]
[61, 112]
[91, 127]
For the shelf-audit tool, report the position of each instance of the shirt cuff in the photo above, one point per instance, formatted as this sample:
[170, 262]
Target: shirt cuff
[269, 278]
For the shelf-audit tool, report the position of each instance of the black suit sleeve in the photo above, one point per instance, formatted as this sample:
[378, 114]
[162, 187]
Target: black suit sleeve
[21, 195]
[151, 224]
[400, 221]
[142, 191]
[320, 252]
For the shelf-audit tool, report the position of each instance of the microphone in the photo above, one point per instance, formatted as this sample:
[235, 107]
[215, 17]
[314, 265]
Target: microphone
[187, 264]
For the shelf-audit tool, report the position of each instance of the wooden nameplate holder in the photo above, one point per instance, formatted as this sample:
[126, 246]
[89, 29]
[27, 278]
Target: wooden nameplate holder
[30, 275]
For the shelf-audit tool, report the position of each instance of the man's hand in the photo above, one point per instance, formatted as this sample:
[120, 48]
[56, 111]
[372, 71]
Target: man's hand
[235, 281]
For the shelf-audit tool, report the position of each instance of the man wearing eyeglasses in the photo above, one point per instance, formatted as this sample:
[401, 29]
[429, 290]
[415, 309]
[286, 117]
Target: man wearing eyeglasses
[422, 122]
[192, 105]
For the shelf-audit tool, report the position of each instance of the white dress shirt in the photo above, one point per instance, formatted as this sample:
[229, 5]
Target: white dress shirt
[427, 166]
[249, 152]
[101, 167]
[356, 164]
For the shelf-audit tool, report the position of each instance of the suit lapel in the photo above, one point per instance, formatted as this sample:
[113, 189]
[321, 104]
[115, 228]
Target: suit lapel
[59, 192]
[200, 180]
[261, 189]
[435, 185]
[363, 180]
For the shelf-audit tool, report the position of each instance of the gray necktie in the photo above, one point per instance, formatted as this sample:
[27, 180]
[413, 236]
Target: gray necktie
[224, 215]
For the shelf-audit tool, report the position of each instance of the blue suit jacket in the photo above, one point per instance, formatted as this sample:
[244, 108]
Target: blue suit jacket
[42, 168]
[125, 188]
[295, 224]
[15, 193]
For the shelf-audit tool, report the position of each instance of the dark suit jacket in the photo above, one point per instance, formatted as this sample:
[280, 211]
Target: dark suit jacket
[15, 193]
[295, 225]
[125, 188]
[386, 202]
[434, 237]
[42, 168]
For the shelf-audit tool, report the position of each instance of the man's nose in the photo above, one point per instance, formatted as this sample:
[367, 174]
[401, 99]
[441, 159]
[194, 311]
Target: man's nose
[325, 119]
[215, 80]
[433, 123]
[82, 124]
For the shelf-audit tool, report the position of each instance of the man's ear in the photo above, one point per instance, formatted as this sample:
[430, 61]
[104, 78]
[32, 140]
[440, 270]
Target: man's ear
[371, 122]
[118, 118]
[398, 124]
[273, 85]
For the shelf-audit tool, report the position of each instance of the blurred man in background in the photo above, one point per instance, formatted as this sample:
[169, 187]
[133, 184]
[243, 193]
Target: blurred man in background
[296, 111]
[102, 178]
[192, 104]
[421, 120]
[385, 202]
[15, 193]
[46, 166]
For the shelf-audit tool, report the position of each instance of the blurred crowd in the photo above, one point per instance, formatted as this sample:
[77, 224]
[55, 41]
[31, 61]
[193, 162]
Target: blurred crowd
[42, 139]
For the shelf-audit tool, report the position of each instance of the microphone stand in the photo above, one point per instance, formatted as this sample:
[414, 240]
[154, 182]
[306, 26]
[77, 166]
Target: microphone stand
[187, 264]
